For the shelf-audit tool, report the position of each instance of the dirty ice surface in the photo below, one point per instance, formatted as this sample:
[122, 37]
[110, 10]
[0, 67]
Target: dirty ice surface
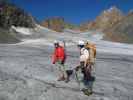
[26, 72]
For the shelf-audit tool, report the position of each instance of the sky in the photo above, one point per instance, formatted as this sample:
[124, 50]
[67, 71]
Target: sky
[74, 11]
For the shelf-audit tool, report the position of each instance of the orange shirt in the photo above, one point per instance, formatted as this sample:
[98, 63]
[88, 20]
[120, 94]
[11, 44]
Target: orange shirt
[59, 55]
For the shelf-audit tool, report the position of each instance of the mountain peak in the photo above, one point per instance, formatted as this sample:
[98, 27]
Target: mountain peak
[113, 8]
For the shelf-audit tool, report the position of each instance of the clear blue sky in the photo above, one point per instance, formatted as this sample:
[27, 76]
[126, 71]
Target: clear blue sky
[75, 11]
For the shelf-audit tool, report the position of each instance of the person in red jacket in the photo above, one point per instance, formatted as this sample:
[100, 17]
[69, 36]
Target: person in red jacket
[59, 58]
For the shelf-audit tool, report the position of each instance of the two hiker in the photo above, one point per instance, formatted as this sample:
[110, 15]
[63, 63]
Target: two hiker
[83, 71]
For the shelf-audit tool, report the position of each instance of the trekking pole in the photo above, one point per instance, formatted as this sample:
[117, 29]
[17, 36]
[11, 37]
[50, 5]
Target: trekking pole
[94, 68]
[77, 79]
[51, 68]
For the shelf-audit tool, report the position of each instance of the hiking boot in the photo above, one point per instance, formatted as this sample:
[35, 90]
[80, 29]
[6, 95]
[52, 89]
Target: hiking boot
[67, 80]
[87, 92]
[61, 79]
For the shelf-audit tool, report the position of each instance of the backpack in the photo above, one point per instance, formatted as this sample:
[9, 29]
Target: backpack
[92, 52]
[62, 43]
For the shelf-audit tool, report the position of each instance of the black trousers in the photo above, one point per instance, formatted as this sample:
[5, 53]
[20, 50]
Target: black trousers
[86, 70]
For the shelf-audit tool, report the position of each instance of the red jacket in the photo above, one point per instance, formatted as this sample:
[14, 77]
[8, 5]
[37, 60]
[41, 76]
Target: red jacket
[59, 55]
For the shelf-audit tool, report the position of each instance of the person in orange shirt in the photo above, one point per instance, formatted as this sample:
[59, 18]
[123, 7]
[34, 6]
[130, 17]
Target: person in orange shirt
[58, 58]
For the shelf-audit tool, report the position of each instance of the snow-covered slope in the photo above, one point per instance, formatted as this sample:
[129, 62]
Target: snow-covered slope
[26, 71]
[46, 36]
[33, 33]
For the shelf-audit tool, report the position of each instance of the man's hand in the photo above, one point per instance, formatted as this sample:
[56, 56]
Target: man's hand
[77, 68]
[54, 62]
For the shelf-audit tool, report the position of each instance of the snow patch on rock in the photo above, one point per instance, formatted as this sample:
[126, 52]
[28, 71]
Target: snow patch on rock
[22, 30]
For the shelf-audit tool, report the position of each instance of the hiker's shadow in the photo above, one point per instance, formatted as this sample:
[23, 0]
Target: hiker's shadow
[71, 73]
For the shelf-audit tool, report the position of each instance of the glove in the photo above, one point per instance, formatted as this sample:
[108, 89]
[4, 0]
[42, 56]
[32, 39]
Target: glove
[54, 62]
[77, 68]
[62, 62]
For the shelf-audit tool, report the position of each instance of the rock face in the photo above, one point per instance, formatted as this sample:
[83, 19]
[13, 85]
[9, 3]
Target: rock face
[105, 20]
[114, 24]
[84, 26]
[122, 31]
[58, 24]
[108, 18]
[7, 36]
[55, 23]
[11, 15]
